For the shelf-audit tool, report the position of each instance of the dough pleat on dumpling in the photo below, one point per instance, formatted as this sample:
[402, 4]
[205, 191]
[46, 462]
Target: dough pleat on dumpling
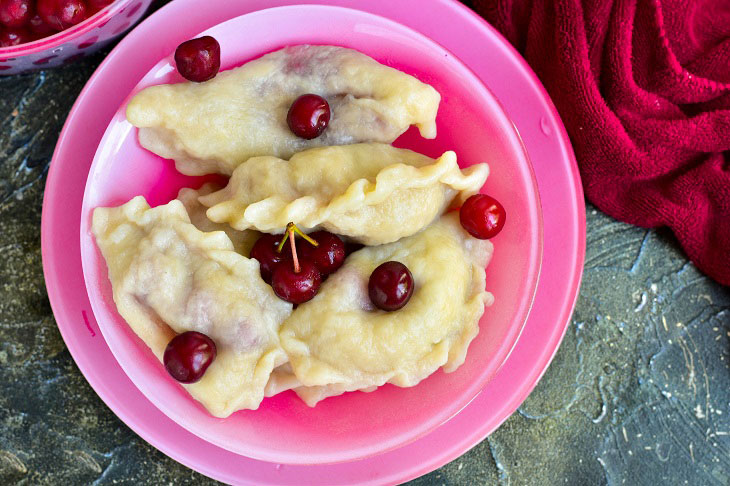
[169, 277]
[283, 379]
[241, 113]
[242, 241]
[372, 193]
[339, 342]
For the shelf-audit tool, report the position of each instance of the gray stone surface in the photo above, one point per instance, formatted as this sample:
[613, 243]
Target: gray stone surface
[639, 392]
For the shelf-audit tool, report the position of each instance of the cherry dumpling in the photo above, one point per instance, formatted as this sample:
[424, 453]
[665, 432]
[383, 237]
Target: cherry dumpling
[215, 126]
[339, 341]
[169, 278]
[371, 193]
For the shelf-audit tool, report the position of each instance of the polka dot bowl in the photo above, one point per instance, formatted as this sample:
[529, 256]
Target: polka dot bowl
[74, 43]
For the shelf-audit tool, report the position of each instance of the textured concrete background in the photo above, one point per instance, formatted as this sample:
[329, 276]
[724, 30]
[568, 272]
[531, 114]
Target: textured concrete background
[639, 392]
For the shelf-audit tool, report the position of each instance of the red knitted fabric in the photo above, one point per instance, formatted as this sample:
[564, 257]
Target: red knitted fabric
[643, 87]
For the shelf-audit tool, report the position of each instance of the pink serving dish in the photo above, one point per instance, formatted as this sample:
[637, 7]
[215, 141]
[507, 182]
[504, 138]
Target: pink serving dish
[355, 425]
[76, 42]
[498, 65]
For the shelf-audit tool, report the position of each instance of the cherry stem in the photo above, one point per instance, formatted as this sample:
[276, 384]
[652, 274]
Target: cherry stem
[312, 241]
[291, 228]
[293, 245]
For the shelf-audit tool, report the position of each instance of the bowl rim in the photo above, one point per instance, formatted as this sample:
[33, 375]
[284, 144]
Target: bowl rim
[524, 306]
[59, 38]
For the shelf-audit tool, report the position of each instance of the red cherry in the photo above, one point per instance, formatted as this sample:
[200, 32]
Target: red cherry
[296, 287]
[352, 247]
[61, 14]
[482, 216]
[198, 59]
[390, 286]
[39, 27]
[98, 4]
[71, 12]
[264, 250]
[328, 255]
[308, 116]
[13, 37]
[47, 12]
[15, 13]
[188, 355]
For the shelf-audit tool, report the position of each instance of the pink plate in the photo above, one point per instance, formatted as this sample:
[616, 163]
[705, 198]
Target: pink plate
[527, 104]
[354, 425]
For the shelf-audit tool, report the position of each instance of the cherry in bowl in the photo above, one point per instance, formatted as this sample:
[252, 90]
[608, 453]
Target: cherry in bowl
[41, 29]
[61, 14]
[99, 4]
[15, 13]
[14, 37]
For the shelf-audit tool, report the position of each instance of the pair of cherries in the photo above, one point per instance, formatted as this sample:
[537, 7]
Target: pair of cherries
[24, 21]
[295, 274]
[391, 284]
[199, 60]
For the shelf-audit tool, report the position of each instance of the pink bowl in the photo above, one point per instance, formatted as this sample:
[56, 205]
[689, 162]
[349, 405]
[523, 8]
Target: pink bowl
[76, 42]
[355, 425]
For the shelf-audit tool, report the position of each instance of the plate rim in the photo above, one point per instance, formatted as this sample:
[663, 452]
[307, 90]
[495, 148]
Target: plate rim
[574, 270]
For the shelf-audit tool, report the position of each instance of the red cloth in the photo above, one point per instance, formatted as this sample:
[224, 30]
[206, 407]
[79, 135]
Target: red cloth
[643, 87]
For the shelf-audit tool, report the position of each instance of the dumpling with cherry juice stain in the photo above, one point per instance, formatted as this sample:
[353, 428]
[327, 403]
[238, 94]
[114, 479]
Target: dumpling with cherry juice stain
[342, 341]
[169, 278]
